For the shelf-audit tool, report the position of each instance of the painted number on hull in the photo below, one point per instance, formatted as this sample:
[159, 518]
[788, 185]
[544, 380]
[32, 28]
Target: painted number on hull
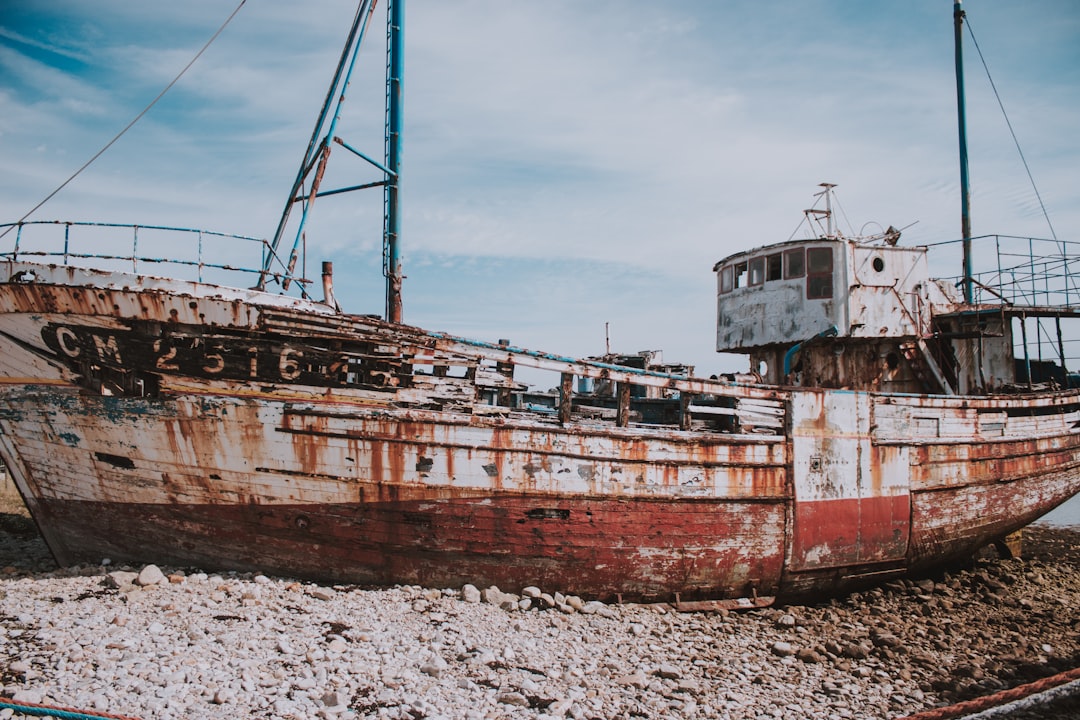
[254, 357]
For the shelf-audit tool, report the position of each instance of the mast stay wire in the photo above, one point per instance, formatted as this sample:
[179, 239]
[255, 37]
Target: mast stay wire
[838, 209]
[129, 125]
[1012, 132]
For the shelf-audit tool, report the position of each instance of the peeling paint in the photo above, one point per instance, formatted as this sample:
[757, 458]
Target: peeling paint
[233, 432]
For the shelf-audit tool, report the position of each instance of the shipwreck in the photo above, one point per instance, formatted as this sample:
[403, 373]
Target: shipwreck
[889, 421]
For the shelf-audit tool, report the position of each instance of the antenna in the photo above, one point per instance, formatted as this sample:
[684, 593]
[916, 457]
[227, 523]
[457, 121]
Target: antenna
[814, 214]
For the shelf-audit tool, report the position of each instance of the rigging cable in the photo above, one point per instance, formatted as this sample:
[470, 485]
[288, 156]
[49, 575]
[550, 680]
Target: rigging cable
[1011, 131]
[130, 124]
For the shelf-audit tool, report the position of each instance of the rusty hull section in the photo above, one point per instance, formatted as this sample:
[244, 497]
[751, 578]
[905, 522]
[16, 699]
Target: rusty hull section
[360, 497]
[145, 420]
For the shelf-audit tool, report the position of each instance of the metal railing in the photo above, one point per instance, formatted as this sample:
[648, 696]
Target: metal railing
[114, 250]
[1019, 271]
[1038, 278]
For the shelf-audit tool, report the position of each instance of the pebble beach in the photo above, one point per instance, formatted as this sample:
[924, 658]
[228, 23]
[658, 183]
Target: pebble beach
[152, 642]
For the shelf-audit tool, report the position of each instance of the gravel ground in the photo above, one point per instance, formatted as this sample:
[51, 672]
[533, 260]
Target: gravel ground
[184, 643]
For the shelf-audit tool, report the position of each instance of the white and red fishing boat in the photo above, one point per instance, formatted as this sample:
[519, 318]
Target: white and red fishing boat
[885, 425]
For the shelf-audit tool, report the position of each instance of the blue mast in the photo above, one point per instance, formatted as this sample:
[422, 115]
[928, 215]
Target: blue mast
[395, 73]
[965, 195]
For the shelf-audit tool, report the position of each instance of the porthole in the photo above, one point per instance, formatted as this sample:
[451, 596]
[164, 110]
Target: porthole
[878, 264]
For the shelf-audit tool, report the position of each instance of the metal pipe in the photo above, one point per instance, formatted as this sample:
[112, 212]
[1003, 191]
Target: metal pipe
[1061, 353]
[325, 146]
[328, 284]
[961, 112]
[394, 100]
[1027, 354]
[315, 146]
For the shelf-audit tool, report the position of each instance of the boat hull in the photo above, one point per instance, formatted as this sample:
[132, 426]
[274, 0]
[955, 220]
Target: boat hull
[149, 421]
[365, 497]
[448, 544]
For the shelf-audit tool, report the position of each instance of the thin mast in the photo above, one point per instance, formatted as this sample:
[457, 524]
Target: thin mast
[318, 151]
[394, 90]
[965, 195]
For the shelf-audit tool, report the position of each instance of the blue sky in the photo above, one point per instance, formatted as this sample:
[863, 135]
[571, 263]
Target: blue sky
[566, 164]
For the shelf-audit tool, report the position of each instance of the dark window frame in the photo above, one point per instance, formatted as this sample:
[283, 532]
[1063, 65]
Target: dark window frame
[726, 275]
[739, 270]
[795, 257]
[819, 280]
[774, 267]
[756, 273]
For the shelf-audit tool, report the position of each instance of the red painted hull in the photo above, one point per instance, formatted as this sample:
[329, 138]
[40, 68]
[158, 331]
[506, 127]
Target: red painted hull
[637, 549]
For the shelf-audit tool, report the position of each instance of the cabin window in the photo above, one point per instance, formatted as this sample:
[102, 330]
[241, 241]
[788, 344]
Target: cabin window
[725, 279]
[757, 271]
[819, 273]
[774, 267]
[794, 263]
[740, 274]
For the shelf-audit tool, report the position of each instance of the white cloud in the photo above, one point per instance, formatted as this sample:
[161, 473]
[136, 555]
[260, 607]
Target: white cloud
[636, 142]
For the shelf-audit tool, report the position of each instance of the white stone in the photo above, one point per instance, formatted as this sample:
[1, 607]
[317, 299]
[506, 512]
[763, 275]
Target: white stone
[669, 671]
[332, 699]
[321, 593]
[512, 698]
[121, 578]
[150, 575]
[435, 668]
[224, 696]
[33, 697]
[783, 649]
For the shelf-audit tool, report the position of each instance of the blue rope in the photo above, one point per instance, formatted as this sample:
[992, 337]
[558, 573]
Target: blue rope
[44, 711]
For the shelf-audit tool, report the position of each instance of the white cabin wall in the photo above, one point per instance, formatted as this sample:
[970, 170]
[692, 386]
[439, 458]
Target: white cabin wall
[778, 312]
[888, 294]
